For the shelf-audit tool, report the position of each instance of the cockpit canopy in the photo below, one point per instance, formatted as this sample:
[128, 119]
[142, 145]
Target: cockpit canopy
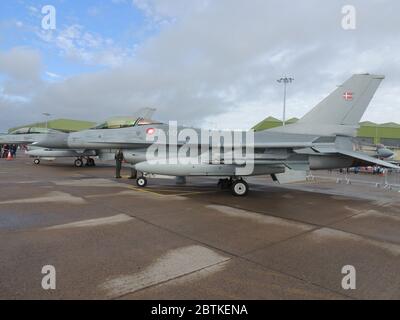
[32, 130]
[125, 122]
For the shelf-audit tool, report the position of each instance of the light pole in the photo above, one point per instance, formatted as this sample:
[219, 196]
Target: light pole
[46, 115]
[285, 81]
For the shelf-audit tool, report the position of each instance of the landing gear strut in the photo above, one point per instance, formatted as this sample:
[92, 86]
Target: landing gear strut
[90, 162]
[225, 183]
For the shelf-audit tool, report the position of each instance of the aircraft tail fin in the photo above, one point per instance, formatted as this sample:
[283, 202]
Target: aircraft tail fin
[347, 104]
[341, 111]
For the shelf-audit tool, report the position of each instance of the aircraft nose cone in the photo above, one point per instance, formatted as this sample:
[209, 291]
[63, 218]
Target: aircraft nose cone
[385, 153]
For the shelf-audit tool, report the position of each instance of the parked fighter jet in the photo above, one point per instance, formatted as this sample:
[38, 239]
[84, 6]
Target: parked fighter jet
[29, 136]
[56, 146]
[41, 141]
[384, 153]
[322, 139]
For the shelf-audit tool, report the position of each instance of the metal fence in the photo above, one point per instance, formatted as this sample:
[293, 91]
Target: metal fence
[386, 181]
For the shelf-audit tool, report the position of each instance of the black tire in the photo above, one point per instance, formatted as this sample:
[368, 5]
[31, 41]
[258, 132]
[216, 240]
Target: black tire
[36, 161]
[78, 163]
[141, 182]
[239, 188]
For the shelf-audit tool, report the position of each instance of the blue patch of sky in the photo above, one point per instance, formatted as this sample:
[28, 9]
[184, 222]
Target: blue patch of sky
[122, 22]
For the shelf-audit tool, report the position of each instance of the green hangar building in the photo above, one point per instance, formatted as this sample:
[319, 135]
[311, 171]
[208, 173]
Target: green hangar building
[65, 125]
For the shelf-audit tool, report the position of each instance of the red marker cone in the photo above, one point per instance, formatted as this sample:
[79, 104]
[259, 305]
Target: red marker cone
[9, 156]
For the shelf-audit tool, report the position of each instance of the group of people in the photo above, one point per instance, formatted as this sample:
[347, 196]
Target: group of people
[7, 149]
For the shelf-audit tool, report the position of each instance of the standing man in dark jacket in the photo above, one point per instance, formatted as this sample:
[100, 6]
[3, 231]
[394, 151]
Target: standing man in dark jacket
[119, 157]
[6, 148]
[13, 150]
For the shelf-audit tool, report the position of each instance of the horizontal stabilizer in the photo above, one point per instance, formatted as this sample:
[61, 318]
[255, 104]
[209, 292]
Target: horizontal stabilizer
[369, 159]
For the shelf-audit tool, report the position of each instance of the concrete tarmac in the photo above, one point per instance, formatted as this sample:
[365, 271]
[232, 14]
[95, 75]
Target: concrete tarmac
[108, 239]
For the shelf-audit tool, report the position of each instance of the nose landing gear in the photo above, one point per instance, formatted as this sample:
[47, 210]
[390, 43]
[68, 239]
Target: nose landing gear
[141, 182]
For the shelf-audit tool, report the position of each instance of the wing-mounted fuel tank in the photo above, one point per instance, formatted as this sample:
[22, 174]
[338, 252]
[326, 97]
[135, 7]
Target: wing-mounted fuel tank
[135, 156]
[59, 153]
[204, 169]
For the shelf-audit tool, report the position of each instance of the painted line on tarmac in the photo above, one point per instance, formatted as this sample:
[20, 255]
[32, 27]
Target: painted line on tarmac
[119, 218]
[173, 264]
[260, 218]
[145, 191]
[51, 197]
[195, 192]
[180, 193]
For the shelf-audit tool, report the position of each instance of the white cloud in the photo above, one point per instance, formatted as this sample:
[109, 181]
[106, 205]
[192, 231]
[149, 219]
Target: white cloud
[75, 43]
[219, 60]
[161, 9]
[21, 68]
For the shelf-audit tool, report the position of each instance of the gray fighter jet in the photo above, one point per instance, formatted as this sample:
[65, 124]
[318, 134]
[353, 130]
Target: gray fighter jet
[28, 135]
[322, 139]
[41, 141]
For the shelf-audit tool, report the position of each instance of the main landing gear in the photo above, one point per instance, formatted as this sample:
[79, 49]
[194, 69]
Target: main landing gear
[36, 161]
[238, 187]
[89, 162]
[78, 163]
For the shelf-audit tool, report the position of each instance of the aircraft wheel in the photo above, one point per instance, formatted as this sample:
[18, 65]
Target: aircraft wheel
[240, 188]
[141, 182]
[36, 161]
[78, 163]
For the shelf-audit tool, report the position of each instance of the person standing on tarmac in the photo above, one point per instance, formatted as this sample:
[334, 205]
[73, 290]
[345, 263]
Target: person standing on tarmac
[6, 149]
[13, 150]
[119, 157]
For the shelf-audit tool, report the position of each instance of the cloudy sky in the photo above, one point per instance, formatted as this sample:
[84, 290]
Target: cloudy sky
[212, 63]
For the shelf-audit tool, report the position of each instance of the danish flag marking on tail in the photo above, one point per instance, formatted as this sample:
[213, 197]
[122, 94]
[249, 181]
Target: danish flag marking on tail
[348, 96]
